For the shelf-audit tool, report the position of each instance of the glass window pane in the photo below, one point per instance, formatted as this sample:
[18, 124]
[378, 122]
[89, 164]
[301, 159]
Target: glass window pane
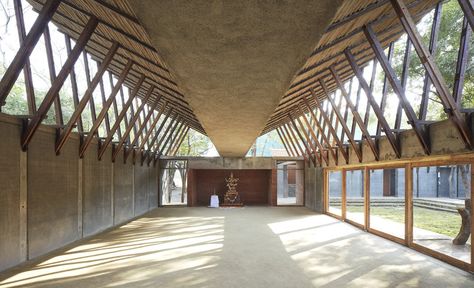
[355, 196]
[387, 201]
[335, 192]
[441, 198]
[290, 183]
[174, 183]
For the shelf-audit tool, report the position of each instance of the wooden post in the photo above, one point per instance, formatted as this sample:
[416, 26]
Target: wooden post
[155, 148]
[383, 101]
[371, 87]
[419, 130]
[313, 135]
[105, 109]
[151, 144]
[116, 112]
[298, 135]
[171, 137]
[58, 82]
[176, 149]
[285, 139]
[331, 129]
[175, 139]
[131, 124]
[166, 136]
[152, 156]
[76, 115]
[75, 92]
[367, 197]
[345, 128]
[283, 142]
[142, 126]
[433, 71]
[432, 49]
[321, 132]
[152, 126]
[20, 24]
[52, 75]
[355, 113]
[102, 96]
[29, 43]
[344, 194]
[88, 79]
[461, 63]
[378, 113]
[403, 81]
[285, 134]
[313, 150]
[121, 116]
[468, 10]
[408, 205]
[295, 140]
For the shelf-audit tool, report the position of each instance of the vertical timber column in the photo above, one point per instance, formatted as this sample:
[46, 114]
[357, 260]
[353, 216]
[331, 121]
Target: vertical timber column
[343, 194]
[23, 206]
[367, 197]
[408, 205]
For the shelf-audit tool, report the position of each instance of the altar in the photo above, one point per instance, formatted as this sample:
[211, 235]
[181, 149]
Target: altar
[231, 196]
[254, 187]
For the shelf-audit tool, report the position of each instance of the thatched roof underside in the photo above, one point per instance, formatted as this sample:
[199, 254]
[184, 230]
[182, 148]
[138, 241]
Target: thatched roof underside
[118, 22]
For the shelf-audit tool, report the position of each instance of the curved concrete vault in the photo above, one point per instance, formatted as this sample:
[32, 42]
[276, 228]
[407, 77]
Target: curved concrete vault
[234, 59]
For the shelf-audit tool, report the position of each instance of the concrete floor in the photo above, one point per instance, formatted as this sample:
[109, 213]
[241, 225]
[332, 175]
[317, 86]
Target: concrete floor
[240, 247]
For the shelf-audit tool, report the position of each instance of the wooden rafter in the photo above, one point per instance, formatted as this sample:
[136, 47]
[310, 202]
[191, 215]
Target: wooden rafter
[433, 71]
[26, 47]
[419, 129]
[58, 83]
[375, 106]
[75, 117]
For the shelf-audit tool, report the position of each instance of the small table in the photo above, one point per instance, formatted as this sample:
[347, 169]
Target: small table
[214, 201]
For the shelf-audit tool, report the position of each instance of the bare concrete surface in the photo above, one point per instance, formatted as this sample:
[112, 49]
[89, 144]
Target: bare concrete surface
[240, 247]
[234, 59]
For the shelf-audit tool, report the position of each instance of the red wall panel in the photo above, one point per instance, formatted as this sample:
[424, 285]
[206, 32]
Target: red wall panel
[253, 185]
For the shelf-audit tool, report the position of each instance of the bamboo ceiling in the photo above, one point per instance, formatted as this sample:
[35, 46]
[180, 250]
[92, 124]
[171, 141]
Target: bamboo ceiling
[118, 23]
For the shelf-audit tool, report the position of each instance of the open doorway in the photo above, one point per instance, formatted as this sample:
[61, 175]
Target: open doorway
[174, 182]
[290, 183]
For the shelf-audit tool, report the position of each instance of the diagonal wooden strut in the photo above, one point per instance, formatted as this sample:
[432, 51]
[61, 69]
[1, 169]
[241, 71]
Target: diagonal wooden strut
[58, 83]
[330, 127]
[420, 130]
[355, 113]
[105, 109]
[346, 129]
[29, 43]
[370, 97]
[75, 117]
[433, 71]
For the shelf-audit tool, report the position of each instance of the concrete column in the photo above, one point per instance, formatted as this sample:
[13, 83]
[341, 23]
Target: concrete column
[133, 190]
[314, 197]
[23, 206]
[79, 199]
[112, 207]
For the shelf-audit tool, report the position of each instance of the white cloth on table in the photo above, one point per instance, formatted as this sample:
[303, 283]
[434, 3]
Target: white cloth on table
[214, 201]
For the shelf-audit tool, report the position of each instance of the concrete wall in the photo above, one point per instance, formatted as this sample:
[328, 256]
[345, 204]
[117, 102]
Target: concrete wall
[52, 194]
[49, 200]
[265, 163]
[444, 138]
[10, 217]
[313, 178]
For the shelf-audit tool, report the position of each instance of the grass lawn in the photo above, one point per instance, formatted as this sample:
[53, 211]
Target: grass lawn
[437, 221]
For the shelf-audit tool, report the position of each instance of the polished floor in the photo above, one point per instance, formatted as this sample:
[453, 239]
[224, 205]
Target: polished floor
[237, 247]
